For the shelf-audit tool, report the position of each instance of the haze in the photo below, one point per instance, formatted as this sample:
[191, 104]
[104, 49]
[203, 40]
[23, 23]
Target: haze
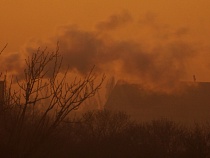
[174, 32]
[154, 101]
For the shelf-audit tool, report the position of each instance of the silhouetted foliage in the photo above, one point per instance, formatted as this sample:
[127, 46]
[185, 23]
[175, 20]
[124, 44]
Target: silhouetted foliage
[27, 131]
[113, 134]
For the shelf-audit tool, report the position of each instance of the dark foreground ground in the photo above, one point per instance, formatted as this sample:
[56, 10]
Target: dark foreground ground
[99, 134]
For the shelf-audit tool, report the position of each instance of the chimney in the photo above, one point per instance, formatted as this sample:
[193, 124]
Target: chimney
[194, 78]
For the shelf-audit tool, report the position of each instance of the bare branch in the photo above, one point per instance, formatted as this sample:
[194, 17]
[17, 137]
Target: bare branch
[3, 48]
[56, 96]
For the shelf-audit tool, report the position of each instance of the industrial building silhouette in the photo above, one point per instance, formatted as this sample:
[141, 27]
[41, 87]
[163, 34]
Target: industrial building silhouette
[189, 105]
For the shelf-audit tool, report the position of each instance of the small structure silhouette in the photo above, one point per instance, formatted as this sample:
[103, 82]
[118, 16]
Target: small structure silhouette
[194, 78]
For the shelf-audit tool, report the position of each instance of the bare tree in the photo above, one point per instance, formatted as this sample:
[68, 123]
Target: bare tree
[44, 87]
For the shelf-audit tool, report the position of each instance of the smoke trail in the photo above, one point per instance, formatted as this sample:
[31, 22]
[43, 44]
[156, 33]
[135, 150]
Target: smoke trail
[163, 64]
[115, 21]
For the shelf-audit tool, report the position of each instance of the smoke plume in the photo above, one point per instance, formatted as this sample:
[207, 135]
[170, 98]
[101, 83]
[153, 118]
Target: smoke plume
[115, 21]
[161, 64]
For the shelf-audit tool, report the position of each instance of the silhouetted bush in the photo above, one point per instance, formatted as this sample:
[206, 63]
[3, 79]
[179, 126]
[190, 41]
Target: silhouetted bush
[110, 134]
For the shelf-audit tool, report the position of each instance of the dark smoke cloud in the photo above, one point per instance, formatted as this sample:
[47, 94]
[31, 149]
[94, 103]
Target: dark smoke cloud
[11, 62]
[156, 66]
[115, 21]
[182, 31]
[162, 31]
[81, 49]
[151, 20]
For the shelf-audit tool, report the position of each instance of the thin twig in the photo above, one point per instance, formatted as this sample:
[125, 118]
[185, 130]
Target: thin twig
[3, 48]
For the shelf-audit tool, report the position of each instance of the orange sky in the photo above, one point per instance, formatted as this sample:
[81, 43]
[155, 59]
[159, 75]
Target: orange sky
[24, 20]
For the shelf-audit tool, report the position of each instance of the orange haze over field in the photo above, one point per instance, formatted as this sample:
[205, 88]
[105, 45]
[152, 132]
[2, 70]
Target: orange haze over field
[146, 40]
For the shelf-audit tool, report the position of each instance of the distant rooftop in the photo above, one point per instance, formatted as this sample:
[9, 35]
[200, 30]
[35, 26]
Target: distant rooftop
[192, 104]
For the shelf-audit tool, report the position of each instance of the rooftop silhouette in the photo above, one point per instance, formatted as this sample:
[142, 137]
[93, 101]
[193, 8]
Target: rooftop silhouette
[189, 105]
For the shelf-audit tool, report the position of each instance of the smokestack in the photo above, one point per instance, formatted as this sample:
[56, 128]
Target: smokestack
[2, 93]
[194, 78]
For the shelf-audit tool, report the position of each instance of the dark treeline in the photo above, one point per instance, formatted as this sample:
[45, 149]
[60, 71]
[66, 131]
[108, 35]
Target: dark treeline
[106, 134]
[35, 120]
